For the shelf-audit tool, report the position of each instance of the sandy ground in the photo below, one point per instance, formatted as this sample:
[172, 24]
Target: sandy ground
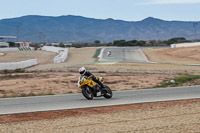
[76, 57]
[83, 56]
[43, 57]
[125, 75]
[173, 58]
[182, 55]
[144, 68]
[174, 116]
[28, 84]
[180, 116]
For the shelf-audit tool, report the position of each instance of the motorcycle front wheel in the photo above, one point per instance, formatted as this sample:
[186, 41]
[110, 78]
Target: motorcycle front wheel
[87, 93]
[108, 93]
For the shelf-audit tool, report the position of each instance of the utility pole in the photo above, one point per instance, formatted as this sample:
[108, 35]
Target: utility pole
[17, 33]
[44, 38]
[40, 37]
[195, 30]
[157, 34]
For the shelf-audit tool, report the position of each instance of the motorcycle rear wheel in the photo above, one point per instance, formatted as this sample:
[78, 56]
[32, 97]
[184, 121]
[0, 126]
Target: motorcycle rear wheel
[87, 93]
[108, 93]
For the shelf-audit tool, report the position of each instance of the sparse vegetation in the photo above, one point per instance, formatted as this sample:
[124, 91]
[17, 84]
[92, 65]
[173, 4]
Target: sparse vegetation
[69, 92]
[12, 71]
[13, 94]
[19, 70]
[101, 72]
[23, 95]
[9, 76]
[49, 92]
[178, 80]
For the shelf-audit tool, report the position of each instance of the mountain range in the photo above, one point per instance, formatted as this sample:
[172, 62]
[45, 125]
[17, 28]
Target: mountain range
[71, 28]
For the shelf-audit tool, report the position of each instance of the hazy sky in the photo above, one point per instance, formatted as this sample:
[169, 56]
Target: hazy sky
[131, 10]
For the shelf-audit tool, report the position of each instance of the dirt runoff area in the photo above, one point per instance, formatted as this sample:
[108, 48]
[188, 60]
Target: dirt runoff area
[51, 83]
[173, 116]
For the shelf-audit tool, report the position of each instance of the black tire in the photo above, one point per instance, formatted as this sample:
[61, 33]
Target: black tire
[87, 93]
[108, 94]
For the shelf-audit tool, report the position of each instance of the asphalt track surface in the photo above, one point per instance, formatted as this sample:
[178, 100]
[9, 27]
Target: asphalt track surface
[77, 101]
[124, 54]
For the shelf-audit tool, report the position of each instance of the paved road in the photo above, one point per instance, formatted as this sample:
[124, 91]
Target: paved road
[75, 101]
[124, 54]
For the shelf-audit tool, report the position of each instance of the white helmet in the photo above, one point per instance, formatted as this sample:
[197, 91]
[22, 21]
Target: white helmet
[82, 70]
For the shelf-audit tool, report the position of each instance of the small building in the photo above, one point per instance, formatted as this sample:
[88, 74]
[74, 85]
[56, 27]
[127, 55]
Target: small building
[55, 44]
[8, 37]
[69, 44]
[4, 44]
[22, 44]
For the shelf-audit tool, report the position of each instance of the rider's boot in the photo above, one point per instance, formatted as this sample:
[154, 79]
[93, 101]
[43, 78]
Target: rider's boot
[102, 86]
[99, 82]
[103, 89]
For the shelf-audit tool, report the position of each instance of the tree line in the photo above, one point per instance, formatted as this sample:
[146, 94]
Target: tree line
[121, 43]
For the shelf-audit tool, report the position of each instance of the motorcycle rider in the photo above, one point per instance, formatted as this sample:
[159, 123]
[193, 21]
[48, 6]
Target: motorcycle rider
[88, 74]
[109, 53]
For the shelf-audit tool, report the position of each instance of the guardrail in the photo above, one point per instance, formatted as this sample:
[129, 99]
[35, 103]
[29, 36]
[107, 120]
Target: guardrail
[18, 65]
[61, 57]
[185, 45]
[9, 49]
[62, 53]
[52, 49]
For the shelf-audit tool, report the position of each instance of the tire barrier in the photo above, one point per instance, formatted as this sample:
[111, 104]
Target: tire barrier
[24, 49]
[62, 53]
[185, 45]
[17, 49]
[18, 65]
